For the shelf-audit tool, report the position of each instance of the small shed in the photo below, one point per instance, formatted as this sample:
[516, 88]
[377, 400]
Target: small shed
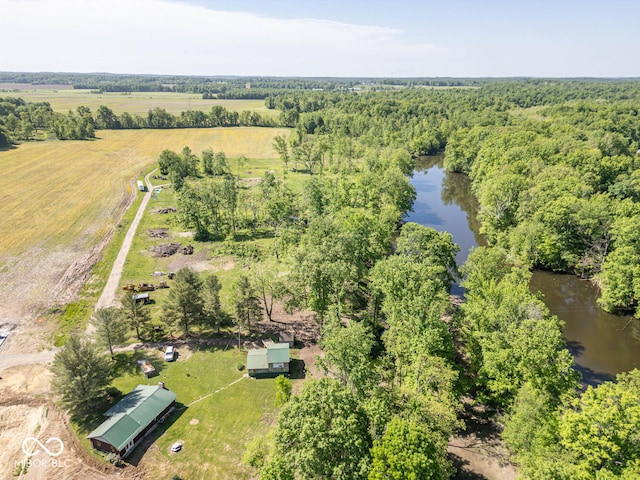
[288, 337]
[273, 360]
[132, 418]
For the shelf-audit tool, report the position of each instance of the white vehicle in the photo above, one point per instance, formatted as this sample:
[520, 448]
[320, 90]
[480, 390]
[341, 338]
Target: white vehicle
[170, 354]
[176, 447]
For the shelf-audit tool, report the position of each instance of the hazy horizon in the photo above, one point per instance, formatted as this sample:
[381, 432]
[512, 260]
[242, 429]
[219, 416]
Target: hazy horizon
[358, 39]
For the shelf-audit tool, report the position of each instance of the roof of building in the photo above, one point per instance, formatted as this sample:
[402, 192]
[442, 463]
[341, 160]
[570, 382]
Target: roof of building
[132, 414]
[260, 358]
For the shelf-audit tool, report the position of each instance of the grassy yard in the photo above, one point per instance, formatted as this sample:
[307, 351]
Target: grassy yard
[207, 256]
[136, 102]
[213, 430]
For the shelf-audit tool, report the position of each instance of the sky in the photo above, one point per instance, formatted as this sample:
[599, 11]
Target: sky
[328, 38]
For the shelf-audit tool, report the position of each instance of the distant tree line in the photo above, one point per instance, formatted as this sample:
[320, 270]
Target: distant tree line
[105, 82]
[20, 120]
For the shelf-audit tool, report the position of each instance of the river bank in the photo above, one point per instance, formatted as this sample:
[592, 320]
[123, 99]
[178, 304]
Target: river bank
[602, 344]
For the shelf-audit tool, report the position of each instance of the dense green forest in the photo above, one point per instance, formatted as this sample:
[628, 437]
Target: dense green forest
[554, 165]
[400, 358]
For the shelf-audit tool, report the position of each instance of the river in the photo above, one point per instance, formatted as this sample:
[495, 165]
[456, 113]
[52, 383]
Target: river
[602, 344]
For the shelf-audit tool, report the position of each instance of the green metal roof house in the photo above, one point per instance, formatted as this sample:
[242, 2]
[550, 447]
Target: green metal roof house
[132, 418]
[271, 360]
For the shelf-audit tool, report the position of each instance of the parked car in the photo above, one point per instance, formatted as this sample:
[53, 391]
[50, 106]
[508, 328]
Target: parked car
[170, 354]
[176, 447]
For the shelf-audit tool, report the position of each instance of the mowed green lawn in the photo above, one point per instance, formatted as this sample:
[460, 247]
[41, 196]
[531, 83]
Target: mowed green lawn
[214, 430]
[137, 102]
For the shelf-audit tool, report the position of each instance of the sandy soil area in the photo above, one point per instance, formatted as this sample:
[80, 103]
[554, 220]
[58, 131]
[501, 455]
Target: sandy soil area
[26, 411]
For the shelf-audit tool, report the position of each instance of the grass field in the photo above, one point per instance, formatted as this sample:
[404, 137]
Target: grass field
[57, 192]
[136, 102]
[213, 430]
[60, 199]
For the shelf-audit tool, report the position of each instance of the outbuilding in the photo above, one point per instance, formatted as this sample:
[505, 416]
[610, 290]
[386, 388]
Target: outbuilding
[273, 360]
[288, 337]
[132, 418]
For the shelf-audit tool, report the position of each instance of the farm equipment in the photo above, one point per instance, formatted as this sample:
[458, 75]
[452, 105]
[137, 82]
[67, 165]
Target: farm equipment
[129, 287]
[162, 284]
[146, 287]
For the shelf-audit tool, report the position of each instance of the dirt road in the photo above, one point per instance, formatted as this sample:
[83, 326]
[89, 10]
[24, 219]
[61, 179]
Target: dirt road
[108, 297]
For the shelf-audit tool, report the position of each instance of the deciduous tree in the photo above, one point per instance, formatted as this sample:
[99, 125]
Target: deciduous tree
[110, 327]
[246, 302]
[322, 432]
[408, 451]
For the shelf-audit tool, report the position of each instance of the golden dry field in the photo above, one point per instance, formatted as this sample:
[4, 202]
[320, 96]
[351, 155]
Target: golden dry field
[58, 191]
[60, 199]
[136, 102]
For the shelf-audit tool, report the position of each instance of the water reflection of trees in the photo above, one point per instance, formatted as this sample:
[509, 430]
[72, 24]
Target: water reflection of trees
[456, 189]
[633, 329]
[426, 162]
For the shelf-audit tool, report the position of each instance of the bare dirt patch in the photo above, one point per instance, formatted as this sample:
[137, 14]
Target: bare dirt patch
[26, 410]
[29, 336]
[198, 262]
[479, 453]
[42, 277]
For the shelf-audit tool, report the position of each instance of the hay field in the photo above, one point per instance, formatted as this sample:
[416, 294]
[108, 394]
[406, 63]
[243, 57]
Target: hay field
[57, 191]
[60, 199]
[136, 102]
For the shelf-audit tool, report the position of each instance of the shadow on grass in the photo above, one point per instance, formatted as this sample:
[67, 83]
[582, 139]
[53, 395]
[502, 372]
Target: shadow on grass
[221, 344]
[135, 458]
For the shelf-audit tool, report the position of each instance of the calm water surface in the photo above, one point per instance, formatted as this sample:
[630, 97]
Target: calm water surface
[602, 344]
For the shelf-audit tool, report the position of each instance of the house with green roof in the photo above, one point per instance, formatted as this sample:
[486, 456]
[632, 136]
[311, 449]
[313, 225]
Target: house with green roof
[133, 417]
[273, 360]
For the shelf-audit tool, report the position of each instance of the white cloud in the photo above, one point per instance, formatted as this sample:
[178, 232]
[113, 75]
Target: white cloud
[158, 36]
